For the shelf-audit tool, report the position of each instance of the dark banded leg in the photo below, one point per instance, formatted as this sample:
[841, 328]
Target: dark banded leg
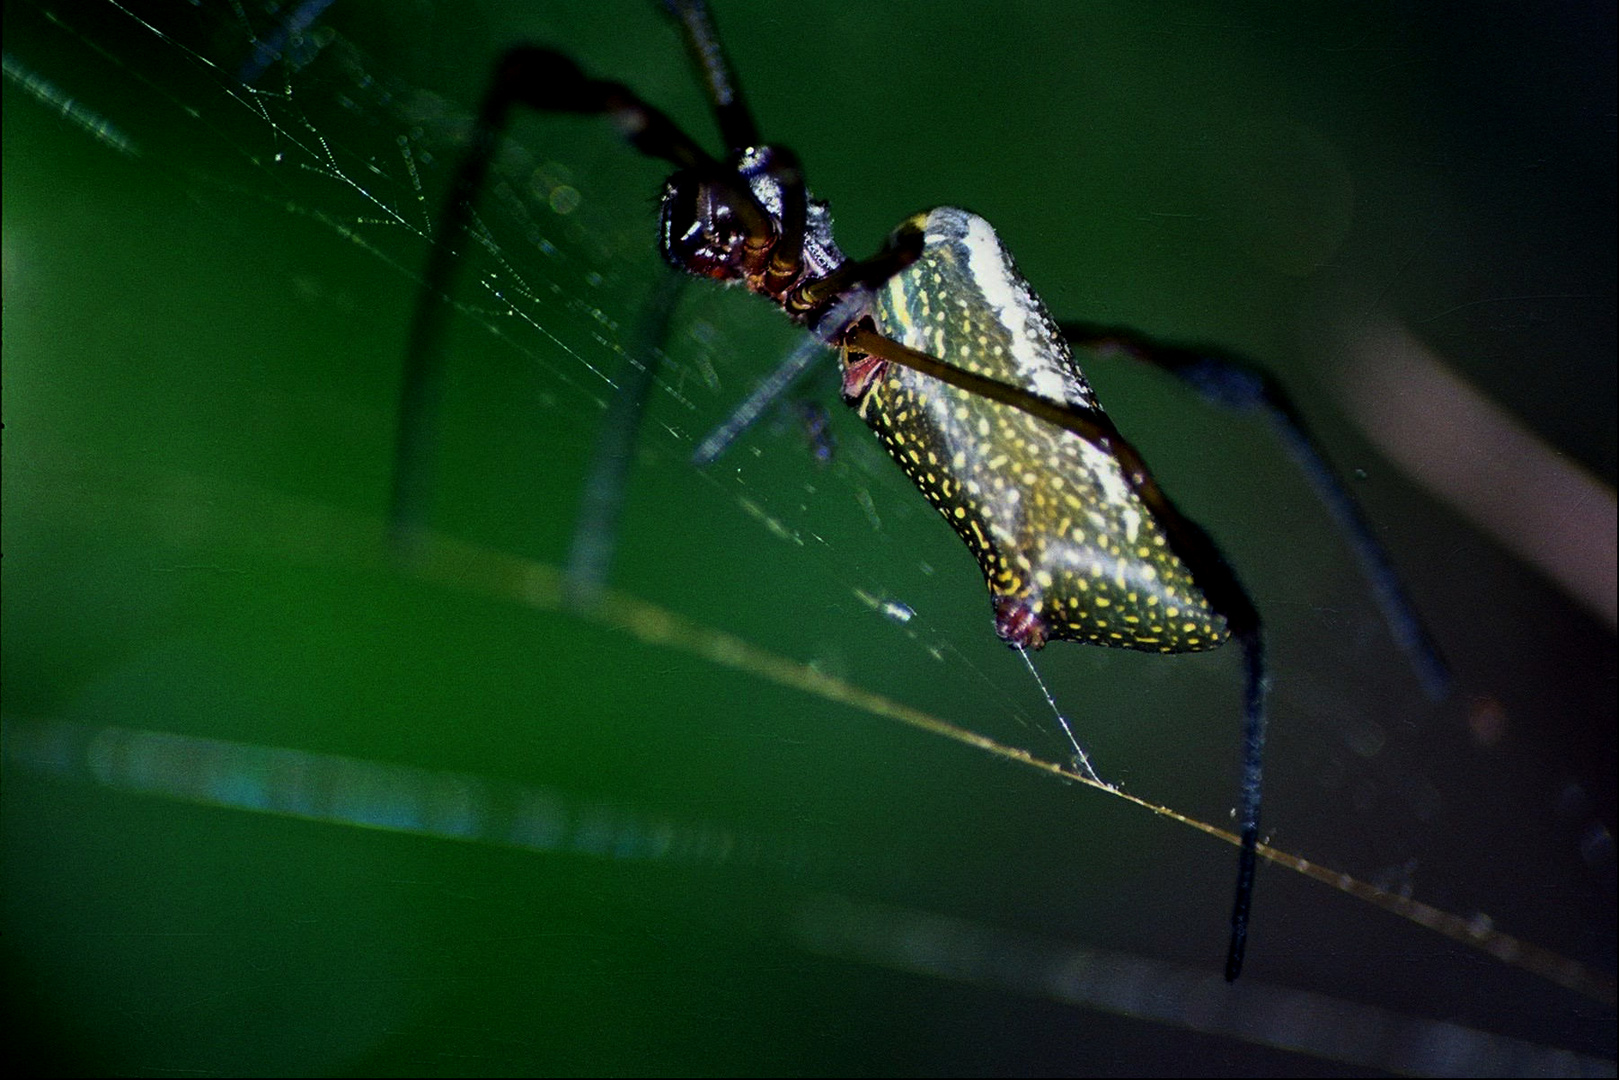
[1227, 381]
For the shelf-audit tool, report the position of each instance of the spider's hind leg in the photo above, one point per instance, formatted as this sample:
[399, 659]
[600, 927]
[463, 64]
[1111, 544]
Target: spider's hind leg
[1227, 381]
[1191, 545]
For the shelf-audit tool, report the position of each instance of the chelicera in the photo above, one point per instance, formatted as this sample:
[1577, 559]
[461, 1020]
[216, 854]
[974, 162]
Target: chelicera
[956, 365]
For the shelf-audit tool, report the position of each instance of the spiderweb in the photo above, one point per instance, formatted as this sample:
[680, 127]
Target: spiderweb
[207, 284]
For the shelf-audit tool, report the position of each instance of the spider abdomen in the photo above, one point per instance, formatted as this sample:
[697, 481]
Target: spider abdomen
[1067, 547]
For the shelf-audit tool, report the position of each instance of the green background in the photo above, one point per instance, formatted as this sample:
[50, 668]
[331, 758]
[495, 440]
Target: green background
[202, 345]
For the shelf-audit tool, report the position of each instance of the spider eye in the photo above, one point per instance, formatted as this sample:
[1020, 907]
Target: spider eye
[699, 230]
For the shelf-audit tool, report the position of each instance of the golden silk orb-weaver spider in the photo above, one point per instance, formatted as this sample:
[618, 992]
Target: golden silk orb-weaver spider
[953, 361]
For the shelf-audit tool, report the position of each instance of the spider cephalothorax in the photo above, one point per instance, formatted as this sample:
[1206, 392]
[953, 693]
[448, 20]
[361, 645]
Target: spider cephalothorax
[750, 221]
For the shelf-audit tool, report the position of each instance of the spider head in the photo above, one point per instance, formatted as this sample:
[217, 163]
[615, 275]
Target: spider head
[711, 228]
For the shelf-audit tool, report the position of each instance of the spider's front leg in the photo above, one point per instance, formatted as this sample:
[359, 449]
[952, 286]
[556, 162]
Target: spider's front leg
[712, 224]
[526, 77]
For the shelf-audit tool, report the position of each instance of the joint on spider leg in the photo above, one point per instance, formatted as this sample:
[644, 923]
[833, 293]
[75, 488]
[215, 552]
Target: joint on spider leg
[787, 256]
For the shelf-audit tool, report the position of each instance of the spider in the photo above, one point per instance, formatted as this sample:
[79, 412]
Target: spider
[956, 365]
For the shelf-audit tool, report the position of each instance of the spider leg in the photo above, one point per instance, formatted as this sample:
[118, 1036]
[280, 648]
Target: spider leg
[1227, 381]
[826, 334]
[269, 49]
[595, 530]
[1190, 544]
[856, 279]
[549, 82]
[719, 78]
[769, 390]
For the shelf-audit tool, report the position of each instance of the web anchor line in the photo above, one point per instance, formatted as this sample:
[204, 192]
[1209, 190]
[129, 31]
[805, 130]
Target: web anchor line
[1082, 760]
